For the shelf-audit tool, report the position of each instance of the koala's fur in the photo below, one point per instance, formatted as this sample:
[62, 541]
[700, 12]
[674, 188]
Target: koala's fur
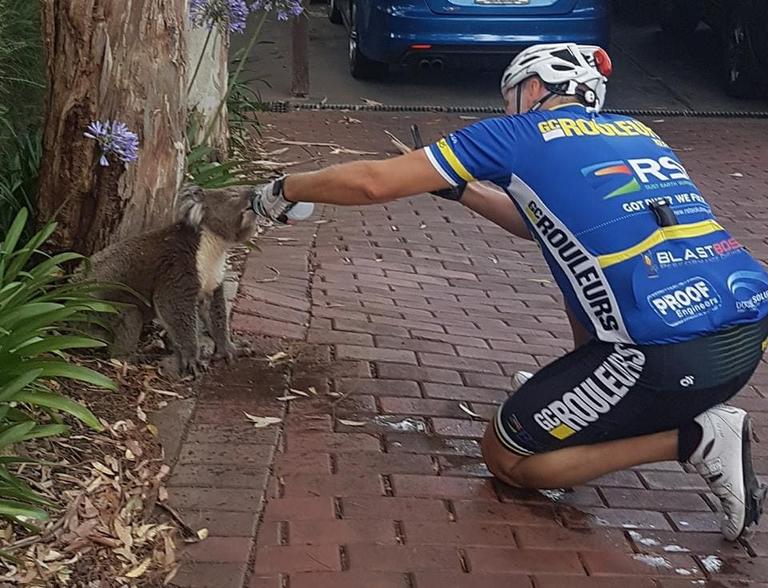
[179, 270]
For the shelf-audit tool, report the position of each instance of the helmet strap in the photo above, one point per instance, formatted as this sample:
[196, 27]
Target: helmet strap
[540, 102]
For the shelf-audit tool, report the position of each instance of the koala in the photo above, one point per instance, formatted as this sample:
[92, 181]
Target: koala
[178, 270]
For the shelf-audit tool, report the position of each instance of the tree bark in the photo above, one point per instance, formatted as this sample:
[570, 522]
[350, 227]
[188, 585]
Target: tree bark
[209, 88]
[107, 60]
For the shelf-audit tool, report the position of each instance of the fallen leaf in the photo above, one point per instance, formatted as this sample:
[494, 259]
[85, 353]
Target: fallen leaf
[261, 422]
[299, 392]
[287, 397]
[464, 407]
[139, 571]
[272, 279]
[312, 390]
[347, 151]
[277, 357]
[737, 175]
[352, 423]
[102, 468]
[202, 534]
[162, 494]
[370, 102]
[167, 393]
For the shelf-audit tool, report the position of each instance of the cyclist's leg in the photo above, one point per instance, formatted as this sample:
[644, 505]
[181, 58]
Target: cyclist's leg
[576, 465]
[601, 393]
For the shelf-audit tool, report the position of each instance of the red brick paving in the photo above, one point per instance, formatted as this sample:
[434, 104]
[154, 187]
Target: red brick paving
[394, 315]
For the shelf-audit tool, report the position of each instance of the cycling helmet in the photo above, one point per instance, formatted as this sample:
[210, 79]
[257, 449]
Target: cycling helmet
[567, 69]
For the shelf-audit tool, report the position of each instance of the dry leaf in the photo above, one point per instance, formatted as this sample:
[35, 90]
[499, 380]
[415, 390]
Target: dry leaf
[463, 406]
[287, 397]
[261, 422]
[139, 571]
[312, 390]
[370, 102]
[737, 175]
[299, 392]
[167, 393]
[277, 356]
[99, 467]
[162, 494]
[352, 423]
[345, 150]
[202, 534]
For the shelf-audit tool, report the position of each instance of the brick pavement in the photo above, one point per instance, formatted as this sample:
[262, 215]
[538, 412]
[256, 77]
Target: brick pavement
[394, 316]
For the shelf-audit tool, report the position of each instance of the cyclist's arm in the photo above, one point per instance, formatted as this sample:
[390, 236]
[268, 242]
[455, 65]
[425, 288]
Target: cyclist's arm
[493, 204]
[366, 182]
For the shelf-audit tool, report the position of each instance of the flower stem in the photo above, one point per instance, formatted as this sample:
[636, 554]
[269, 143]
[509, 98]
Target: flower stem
[238, 71]
[200, 61]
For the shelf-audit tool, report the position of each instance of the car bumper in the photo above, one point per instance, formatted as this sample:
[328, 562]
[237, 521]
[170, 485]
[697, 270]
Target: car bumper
[388, 35]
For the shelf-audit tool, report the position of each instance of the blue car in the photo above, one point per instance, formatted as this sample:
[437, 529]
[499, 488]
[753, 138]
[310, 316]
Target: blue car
[430, 32]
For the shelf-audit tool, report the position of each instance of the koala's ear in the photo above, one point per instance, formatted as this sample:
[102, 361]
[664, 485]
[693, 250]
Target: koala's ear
[191, 204]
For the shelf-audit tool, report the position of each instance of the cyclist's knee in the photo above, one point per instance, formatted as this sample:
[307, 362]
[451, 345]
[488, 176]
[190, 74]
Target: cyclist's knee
[501, 462]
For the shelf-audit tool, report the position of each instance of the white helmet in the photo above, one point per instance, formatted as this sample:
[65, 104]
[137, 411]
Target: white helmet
[565, 68]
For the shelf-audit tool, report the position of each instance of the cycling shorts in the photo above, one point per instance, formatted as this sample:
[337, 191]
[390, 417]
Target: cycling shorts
[605, 391]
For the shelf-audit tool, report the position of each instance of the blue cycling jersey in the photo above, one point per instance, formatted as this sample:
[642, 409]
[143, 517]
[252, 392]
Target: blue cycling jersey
[595, 191]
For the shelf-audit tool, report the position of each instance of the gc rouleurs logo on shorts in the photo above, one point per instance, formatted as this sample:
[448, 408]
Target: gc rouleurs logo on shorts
[685, 301]
[594, 396]
[749, 288]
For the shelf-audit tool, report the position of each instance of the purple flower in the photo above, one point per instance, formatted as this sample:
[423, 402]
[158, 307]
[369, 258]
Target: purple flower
[229, 14]
[284, 8]
[114, 138]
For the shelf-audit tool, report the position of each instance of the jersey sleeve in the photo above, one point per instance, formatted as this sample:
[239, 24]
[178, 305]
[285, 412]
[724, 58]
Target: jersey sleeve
[483, 151]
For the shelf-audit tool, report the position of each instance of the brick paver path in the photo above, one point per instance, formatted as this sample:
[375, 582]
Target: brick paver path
[395, 315]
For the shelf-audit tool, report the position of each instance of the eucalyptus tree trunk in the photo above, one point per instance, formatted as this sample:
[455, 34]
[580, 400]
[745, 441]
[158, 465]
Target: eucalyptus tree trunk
[112, 60]
[208, 78]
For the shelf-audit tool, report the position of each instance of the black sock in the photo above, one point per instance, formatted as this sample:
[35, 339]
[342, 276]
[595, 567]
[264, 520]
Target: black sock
[688, 439]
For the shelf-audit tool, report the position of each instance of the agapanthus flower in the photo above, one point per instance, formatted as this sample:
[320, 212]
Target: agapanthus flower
[284, 8]
[229, 14]
[116, 139]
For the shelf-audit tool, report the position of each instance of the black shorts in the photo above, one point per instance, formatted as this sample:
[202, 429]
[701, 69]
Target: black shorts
[606, 391]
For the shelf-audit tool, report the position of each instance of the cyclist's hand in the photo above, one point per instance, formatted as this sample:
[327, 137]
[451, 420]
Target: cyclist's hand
[454, 192]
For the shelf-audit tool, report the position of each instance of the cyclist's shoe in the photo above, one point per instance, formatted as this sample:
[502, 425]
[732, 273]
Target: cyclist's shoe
[518, 379]
[724, 459]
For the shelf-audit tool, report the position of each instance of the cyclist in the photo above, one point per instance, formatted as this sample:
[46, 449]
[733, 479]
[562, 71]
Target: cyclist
[669, 311]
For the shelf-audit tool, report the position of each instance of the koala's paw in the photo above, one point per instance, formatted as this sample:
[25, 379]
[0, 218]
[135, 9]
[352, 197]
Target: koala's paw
[226, 352]
[230, 351]
[191, 367]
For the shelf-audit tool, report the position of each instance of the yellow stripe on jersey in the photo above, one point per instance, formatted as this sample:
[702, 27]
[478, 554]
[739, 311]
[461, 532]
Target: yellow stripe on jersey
[664, 234]
[453, 161]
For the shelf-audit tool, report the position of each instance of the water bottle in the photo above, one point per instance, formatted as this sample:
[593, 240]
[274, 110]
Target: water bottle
[300, 212]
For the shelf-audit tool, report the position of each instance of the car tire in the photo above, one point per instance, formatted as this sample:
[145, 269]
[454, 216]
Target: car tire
[334, 14]
[360, 66]
[679, 17]
[741, 71]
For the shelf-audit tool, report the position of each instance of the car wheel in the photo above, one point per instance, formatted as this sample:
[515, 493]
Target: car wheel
[334, 14]
[360, 66]
[742, 77]
[679, 17]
